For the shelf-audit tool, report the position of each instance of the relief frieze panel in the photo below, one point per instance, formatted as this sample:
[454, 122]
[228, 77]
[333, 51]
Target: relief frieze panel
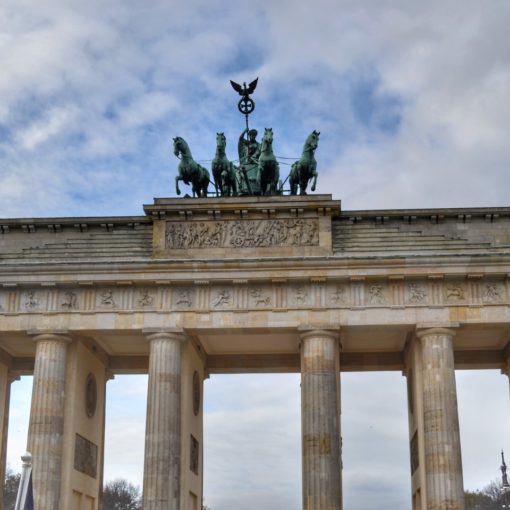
[455, 292]
[106, 299]
[339, 295]
[260, 297]
[205, 296]
[377, 294]
[416, 293]
[241, 234]
[299, 295]
[222, 298]
[493, 292]
[183, 298]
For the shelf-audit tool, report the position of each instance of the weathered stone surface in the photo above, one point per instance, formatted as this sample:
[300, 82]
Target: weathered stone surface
[161, 488]
[320, 420]
[45, 434]
[443, 462]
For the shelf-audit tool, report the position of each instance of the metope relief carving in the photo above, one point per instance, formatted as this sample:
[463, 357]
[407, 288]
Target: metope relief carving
[493, 293]
[260, 297]
[145, 299]
[106, 298]
[416, 293]
[31, 300]
[241, 234]
[183, 298]
[299, 294]
[339, 295]
[455, 292]
[69, 300]
[377, 294]
[222, 298]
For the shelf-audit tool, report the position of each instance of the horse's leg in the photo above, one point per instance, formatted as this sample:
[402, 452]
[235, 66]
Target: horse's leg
[292, 180]
[276, 177]
[303, 181]
[314, 175]
[233, 181]
[217, 182]
[205, 185]
[177, 179]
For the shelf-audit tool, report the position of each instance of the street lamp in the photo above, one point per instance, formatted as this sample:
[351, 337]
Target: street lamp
[505, 486]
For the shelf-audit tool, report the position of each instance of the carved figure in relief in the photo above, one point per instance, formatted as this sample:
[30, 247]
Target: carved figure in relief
[107, 298]
[376, 294]
[300, 294]
[222, 298]
[242, 234]
[492, 293]
[259, 298]
[145, 298]
[70, 301]
[454, 292]
[31, 301]
[183, 298]
[416, 293]
[338, 296]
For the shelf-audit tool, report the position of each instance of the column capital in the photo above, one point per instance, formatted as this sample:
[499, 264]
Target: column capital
[441, 328]
[322, 329]
[165, 334]
[54, 335]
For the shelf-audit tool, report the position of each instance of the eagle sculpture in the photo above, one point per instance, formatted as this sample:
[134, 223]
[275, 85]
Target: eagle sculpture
[243, 90]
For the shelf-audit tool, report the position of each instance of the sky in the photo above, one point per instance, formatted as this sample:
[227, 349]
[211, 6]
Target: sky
[412, 100]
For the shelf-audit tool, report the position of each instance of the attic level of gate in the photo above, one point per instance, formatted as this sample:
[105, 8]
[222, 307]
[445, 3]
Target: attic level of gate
[243, 227]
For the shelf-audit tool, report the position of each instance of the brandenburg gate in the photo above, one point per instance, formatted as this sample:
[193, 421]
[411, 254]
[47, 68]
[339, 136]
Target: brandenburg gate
[246, 284]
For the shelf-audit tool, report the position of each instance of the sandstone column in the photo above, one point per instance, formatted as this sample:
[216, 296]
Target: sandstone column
[320, 420]
[5, 398]
[45, 434]
[161, 480]
[443, 464]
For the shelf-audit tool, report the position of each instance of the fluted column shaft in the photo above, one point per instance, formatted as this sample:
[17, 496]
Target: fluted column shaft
[46, 429]
[443, 463]
[320, 421]
[161, 480]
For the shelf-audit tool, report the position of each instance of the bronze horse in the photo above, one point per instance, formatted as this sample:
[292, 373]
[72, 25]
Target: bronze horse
[305, 168]
[269, 170]
[223, 170]
[189, 170]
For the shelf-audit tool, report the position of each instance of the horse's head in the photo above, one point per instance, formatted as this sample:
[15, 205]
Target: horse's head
[267, 139]
[221, 140]
[312, 141]
[177, 145]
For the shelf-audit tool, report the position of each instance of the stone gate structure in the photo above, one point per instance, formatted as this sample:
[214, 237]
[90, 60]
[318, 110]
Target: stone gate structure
[224, 285]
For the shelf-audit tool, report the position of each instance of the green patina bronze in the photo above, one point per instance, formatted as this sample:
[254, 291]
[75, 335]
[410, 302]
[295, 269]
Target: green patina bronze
[190, 172]
[306, 168]
[258, 172]
[224, 171]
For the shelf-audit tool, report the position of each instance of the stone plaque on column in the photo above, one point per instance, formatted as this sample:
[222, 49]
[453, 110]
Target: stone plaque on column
[85, 456]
